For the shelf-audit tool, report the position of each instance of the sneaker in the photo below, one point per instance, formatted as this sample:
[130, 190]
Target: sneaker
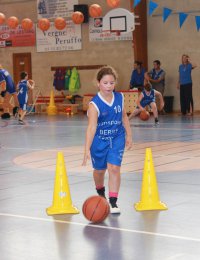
[113, 206]
[21, 122]
[101, 192]
[157, 123]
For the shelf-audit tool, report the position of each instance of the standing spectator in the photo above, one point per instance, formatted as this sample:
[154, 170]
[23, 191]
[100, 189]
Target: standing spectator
[137, 77]
[8, 91]
[157, 79]
[185, 85]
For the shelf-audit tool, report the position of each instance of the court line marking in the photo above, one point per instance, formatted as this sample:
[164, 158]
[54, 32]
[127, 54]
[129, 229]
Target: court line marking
[102, 227]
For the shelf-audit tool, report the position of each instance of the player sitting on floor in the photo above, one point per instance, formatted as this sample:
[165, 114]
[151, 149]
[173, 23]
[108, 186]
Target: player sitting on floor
[147, 97]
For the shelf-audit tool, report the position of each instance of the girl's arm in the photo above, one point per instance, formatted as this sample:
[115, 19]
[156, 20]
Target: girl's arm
[129, 141]
[141, 96]
[31, 84]
[140, 108]
[90, 132]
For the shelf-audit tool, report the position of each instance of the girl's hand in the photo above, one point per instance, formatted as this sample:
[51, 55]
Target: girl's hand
[85, 158]
[129, 142]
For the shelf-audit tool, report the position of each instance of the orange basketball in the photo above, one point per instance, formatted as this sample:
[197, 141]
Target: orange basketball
[95, 10]
[44, 24]
[2, 18]
[144, 115]
[27, 24]
[96, 209]
[77, 17]
[12, 22]
[60, 23]
[113, 3]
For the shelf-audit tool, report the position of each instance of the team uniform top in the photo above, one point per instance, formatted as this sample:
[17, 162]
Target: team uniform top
[109, 140]
[109, 123]
[5, 76]
[185, 74]
[23, 94]
[147, 99]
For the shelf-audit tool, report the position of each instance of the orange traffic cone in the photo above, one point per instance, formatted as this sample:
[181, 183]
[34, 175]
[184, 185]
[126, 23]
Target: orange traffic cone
[52, 109]
[149, 195]
[62, 202]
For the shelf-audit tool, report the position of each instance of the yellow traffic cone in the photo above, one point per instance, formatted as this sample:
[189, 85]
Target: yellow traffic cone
[62, 202]
[149, 195]
[52, 109]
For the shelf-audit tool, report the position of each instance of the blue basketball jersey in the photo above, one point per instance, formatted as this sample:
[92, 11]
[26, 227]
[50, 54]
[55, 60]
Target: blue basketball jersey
[147, 99]
[23, 89]
[109, 123]
[5, 76]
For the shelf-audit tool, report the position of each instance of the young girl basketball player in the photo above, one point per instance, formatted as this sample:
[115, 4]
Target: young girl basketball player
[107, 133]
[147, 97]
[23, 86]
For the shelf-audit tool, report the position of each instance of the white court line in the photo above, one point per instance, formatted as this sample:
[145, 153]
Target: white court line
[102, 227]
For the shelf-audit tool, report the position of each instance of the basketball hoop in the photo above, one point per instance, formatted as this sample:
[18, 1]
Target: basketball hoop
[116, 32]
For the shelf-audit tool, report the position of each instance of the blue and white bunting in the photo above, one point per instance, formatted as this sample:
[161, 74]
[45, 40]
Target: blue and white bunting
[197, 18]
[182, 18]
[136, 2]
[166, 13]
[152, 7]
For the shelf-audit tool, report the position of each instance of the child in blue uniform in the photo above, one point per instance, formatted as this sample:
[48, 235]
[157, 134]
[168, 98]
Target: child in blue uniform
[107, 134]
[23, 86]
[7, 90]
[147, 97]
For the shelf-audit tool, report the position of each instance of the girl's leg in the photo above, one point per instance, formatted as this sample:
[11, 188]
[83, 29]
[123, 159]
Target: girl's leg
[98, 176]
[6, 103]
[22, 114]
[114, 185]
[135, 113]
[16, 101]
[114, 178]
[155, 112]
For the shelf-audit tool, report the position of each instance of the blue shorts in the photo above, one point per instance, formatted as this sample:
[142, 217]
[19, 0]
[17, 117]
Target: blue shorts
[144, 104]
[107, 151]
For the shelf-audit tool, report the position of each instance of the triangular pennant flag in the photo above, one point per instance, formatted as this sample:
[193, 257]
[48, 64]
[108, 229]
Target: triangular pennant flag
[136, 2]
[197, 18]
[152, 7]
[182, 18]
[166, 13]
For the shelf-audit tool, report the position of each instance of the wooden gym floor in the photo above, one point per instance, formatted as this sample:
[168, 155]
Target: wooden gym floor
[27, 170]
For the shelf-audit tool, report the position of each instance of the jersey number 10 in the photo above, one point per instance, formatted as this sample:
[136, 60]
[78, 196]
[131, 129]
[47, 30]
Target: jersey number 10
[117, 109]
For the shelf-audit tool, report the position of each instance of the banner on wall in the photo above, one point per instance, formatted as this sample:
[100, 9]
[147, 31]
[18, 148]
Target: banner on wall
[17, 37]
[55, 8]
[96, 33]
[68, 39]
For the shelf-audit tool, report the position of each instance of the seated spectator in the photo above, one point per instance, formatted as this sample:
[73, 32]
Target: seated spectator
[137, 77]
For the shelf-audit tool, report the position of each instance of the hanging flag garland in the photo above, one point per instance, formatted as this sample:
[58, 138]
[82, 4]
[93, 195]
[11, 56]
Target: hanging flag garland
[182, 18]
[152, 6]
[136, 2]
[166, 13]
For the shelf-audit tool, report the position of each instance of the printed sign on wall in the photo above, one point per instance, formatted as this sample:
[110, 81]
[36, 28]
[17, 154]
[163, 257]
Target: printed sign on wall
[55, 8]
[17, 37]
[68, 39]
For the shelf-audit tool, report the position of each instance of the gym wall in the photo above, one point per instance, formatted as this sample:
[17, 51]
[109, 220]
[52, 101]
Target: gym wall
[117, 54]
